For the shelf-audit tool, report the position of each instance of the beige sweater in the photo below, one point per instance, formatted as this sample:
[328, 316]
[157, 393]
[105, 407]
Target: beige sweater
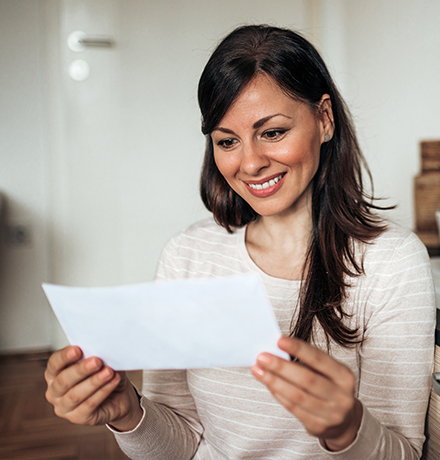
[224, 413]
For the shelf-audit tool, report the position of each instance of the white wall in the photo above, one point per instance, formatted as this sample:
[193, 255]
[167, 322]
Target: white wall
[24, 314]
[105, 171]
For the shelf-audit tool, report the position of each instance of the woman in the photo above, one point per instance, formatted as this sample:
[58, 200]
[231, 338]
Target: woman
[353, 295]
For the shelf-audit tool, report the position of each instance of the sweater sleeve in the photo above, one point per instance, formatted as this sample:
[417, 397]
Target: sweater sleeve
[396, 357]
[170, 427]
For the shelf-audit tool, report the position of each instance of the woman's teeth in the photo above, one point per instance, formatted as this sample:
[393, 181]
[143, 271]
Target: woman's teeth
[267, 184]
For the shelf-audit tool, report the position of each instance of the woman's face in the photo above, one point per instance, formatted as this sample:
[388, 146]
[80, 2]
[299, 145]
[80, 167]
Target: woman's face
[267, 147]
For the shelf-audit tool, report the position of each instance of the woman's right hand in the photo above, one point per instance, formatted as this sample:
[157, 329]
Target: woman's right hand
[90, 393]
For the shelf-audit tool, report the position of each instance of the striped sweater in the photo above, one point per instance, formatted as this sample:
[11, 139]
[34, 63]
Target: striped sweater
[225, 413]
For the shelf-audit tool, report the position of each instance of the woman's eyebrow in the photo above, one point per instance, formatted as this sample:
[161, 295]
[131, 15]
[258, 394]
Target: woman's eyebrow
[223, 130]
[256, 125]
[260, 123]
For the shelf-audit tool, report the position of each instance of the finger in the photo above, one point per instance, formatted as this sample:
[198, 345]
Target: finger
[73, 375]
[275, 368]
[317, 422]
[328, 425]
[88, 412]
[78, 405]
[283, 377]
[292, 396]
[318, 360]
[60, 360]
[314, 424]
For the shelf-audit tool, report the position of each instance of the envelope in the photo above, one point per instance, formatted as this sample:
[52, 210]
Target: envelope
[215, 322]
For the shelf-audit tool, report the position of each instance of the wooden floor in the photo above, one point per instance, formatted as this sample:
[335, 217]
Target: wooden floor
[29, 429]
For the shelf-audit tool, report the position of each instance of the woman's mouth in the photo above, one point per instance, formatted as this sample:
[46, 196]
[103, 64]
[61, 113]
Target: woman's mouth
[267, 188]
[267, 184]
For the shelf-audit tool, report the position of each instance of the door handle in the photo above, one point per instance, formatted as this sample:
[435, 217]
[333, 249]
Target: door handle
[78, 41]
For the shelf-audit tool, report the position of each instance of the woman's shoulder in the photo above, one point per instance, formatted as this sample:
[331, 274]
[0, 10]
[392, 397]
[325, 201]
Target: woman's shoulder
[203, 235]
[395, 244]
[207, 226]
[203, 249]
[395, 236]
[206, 230]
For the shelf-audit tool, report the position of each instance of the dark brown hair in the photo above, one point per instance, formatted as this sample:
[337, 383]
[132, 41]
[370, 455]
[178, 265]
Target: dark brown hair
[341, 210]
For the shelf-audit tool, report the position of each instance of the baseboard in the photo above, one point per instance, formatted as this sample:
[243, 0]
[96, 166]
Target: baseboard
[34, 355]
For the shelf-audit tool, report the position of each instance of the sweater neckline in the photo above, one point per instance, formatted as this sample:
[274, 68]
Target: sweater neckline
[253, 267]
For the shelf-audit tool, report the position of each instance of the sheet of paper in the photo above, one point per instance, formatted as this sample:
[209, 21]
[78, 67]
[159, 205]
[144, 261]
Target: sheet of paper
[170, 325]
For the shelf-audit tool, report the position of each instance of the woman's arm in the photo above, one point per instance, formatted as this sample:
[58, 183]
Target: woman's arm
[395, 361]
[396, 358]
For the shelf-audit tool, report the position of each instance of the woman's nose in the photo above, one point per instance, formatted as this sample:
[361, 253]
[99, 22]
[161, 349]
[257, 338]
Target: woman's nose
[253, 160]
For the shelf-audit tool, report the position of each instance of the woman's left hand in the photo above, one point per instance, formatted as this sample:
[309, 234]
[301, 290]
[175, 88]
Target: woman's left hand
[317, 389]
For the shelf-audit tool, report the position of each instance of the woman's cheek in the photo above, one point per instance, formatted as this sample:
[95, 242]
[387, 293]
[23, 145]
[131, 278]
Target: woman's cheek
[227, 165]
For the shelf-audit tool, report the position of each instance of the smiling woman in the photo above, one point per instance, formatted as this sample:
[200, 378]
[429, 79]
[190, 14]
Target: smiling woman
[268, 136]
[353, 294]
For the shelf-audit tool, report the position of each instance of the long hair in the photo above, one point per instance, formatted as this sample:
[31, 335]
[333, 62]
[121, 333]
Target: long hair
[342, 212]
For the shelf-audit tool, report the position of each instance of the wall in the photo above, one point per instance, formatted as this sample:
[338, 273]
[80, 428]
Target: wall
[24, 313]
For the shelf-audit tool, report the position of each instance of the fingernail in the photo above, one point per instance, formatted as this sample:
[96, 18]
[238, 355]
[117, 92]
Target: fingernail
[92, 364]
[265, 359]
[72, 353]
[105, 374]
[258, 371]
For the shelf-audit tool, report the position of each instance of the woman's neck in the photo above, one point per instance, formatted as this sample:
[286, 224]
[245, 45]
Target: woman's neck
[278, 244]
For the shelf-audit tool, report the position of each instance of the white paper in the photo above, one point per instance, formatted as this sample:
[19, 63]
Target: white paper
[170, 325]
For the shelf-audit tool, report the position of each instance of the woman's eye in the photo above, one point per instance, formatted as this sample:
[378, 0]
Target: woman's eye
[274, 133]
[226, 143]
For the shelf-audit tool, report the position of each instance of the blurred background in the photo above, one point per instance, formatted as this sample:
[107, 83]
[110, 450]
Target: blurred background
[101, 148]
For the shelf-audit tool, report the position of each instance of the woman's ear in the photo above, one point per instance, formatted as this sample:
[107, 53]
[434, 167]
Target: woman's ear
[325, 114]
